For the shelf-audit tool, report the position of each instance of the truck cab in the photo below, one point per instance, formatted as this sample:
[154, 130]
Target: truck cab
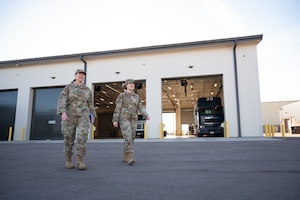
[209, 117]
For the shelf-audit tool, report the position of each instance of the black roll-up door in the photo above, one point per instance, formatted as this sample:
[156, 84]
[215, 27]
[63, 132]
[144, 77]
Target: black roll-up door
[45, 122]
[8, 102]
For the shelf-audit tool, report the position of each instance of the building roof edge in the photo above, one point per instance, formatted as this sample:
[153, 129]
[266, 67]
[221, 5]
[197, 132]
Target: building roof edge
[10, 63]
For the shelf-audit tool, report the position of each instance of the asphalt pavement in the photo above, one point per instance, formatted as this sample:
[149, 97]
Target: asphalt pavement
[168, 169]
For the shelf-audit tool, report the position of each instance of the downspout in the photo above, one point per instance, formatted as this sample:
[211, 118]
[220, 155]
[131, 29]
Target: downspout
[237, 89]
[81, 58]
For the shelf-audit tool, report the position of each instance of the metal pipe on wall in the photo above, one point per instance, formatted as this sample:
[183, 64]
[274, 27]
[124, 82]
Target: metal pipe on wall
[237, 88]
[81, 58]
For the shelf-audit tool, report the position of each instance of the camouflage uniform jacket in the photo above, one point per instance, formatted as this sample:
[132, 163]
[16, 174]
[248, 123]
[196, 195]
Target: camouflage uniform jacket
[128, 105]
[76, 100]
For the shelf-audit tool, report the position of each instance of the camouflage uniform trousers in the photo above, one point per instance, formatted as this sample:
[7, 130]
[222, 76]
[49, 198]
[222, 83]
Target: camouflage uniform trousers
[128, 126]
[68, 129]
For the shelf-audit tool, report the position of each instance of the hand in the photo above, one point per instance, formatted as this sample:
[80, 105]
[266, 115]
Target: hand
[115, 124]
[64, 117]
[147, 118]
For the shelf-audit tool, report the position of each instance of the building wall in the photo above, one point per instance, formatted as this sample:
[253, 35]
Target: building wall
[152, 67]
[270, 111]
[249, 93]
[155, 66]
[292, 112]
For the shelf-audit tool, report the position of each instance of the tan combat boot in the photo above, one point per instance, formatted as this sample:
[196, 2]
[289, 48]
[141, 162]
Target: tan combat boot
[125, 158]
[130, 159]
[80, 164]
[69, 164]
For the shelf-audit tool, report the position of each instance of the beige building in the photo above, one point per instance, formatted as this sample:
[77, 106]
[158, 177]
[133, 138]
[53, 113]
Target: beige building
[289, 116]
[281, 113]
[270, 111]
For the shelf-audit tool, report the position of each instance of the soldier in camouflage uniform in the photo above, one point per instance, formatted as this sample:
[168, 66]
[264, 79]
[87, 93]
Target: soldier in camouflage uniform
[128, 104]
[76, 107]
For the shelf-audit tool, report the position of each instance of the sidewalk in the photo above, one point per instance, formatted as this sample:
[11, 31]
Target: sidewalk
[174, 139]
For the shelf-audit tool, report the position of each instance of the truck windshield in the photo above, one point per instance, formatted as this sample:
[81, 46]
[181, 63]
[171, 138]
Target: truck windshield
[211, 111]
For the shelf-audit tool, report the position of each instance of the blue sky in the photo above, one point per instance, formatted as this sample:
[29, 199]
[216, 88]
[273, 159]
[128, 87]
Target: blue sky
[39, 28]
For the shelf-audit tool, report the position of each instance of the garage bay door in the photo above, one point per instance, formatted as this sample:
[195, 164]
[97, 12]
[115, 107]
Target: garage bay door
[45, 121]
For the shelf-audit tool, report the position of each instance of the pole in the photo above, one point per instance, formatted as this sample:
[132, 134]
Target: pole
[22, 134]
[145, 131]
[161, 131]
[282, 131]
[226, 134]
[9, 134]
[93, 132]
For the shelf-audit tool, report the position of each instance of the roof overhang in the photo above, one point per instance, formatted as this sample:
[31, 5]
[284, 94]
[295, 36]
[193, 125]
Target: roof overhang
[218, 42]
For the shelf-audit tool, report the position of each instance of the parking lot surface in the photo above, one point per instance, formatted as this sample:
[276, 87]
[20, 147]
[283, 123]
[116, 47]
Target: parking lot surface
[168, 169]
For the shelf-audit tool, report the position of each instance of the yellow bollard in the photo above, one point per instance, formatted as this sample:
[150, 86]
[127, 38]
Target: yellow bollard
[272, 130]
[22, 134]
[226, 134]
[267, 130]
[227, 127]
[93, 132]
[161, 131]
[224, 129]
[145, 131]
[282, 130]
[9, 134]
